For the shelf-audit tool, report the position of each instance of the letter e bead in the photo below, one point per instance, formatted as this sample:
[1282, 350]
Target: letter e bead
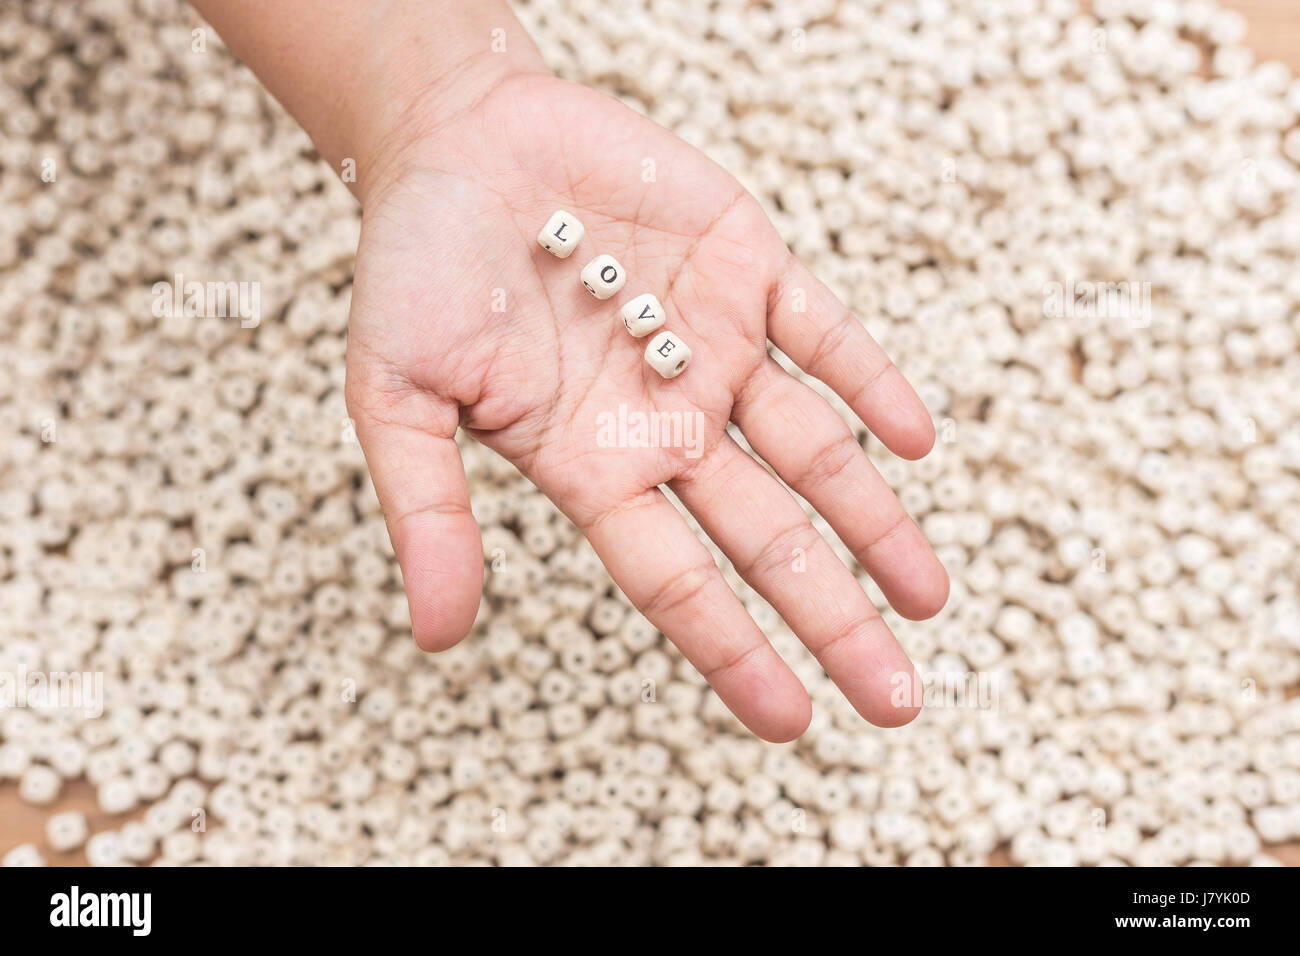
[561, 234]
[667, 354]
[642, 315]
[603, 276]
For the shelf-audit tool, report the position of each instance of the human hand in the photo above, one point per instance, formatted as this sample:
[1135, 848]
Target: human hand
[455, 219]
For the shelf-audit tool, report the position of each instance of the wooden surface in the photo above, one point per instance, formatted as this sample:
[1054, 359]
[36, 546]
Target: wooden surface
[1274, 35]
[1274, 29]
[23, 823]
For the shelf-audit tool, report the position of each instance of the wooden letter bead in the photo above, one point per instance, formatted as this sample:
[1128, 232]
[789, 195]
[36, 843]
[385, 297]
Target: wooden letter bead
[603, 276]
[642, 315]
[561, 234]
[667, 354]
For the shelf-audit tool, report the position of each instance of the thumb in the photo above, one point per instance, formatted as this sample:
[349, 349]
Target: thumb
[408, 438]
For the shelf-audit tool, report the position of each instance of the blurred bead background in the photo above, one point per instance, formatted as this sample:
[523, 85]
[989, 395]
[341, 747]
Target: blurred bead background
[184, 509]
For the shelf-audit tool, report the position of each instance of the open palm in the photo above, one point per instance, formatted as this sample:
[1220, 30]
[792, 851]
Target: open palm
[453, 236]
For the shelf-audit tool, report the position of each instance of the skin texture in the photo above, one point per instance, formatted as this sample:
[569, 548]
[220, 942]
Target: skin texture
[427, 353]
[457, 180]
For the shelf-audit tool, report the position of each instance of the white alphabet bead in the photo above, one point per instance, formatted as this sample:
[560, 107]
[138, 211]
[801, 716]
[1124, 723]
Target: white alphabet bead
[667, 354]
[642, 315]
[26, 854]
[39, 785]
[603, 276]
[561, 234]
[67, 831]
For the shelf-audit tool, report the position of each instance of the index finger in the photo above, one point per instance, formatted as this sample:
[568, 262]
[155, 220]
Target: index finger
[808, 323]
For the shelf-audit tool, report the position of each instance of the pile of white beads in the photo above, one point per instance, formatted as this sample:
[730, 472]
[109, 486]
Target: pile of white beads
[1078, 241]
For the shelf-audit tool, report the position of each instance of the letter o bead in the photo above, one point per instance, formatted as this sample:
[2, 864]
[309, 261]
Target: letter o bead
[561, 234]
[667, 354]
[642, 315]
[603, 276]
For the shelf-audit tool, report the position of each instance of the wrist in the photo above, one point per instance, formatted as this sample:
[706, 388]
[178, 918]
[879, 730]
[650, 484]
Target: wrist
[421, 90]
[366, 77]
